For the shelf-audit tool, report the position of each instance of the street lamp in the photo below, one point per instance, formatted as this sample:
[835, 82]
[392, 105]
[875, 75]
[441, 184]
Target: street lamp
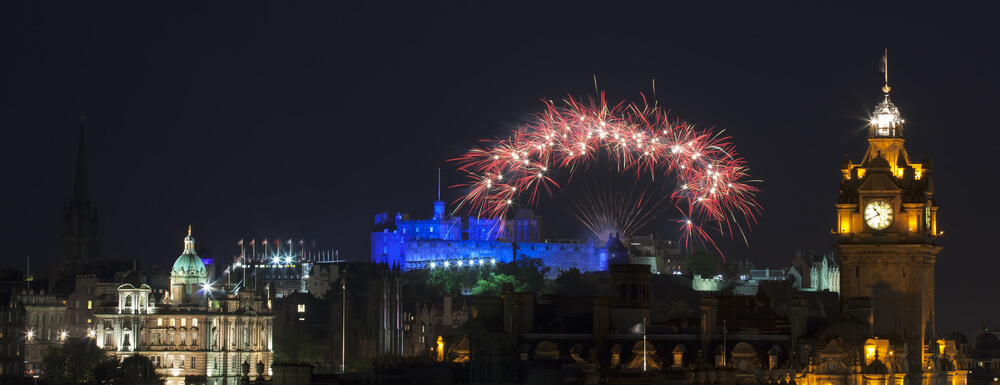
[63, 334]
[31, 335]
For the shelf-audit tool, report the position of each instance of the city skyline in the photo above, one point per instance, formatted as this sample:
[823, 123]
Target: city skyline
[269, 120]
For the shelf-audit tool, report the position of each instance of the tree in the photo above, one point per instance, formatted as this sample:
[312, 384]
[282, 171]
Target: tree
[293, 344]
[493, 284]
[572, 282]
[73, 362]
[700, 261]
[529, 271]
[138, 370]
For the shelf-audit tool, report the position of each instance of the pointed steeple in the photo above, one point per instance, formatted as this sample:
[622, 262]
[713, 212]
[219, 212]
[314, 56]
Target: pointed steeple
[80, 191]
[79, 242]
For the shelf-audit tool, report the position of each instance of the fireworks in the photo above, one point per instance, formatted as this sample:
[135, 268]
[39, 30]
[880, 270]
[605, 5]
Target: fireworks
[620, 207]
[712, 193]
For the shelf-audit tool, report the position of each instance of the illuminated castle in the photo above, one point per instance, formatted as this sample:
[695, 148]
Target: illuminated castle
[446, 240]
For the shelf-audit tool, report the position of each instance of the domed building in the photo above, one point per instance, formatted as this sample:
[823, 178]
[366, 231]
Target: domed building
[188, 274]
[195, 331]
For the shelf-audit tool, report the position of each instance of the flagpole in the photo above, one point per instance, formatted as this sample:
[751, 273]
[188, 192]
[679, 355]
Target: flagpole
[886, 56]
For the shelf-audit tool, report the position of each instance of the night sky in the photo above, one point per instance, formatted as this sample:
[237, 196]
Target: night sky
[304, 119]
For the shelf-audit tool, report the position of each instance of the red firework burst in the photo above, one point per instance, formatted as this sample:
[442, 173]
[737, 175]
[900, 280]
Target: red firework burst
[713, 190]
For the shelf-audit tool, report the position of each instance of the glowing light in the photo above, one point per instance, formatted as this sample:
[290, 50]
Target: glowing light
[446, 264]
[433, 264]
[460, 263]
[63, 334]
[288, 259]
[276, 260]
[711, 168]
[493, 261]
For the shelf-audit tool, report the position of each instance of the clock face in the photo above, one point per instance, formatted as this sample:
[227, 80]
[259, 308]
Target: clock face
[878, 214]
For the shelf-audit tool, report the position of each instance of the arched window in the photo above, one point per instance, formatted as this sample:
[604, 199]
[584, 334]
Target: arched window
[128, 300]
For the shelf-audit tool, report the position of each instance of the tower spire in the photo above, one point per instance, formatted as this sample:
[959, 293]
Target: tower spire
[80, 183]
[884, 66]
[79, 243]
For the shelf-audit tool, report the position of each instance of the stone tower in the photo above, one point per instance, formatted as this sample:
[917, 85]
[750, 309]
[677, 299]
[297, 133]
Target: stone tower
[78, 243]
[887, 239]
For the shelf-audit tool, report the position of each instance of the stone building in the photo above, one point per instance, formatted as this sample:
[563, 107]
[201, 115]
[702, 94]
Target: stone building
[12, 315]
[879, 330]
[196, 332]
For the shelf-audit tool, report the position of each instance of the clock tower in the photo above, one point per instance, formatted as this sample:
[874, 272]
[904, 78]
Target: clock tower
[887, 240]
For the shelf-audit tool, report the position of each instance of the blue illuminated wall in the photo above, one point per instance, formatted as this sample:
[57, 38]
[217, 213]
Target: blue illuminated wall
[416, 244]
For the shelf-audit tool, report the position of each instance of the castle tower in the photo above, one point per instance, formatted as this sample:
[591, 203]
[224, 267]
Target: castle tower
[188, 274]
[79, 240]
[887, 239]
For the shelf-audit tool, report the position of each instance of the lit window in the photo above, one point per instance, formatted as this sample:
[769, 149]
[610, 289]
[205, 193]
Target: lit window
[194, 322]
[183, 321]
[302, 308]
[159, 322]
[90, 304]
[173, 322]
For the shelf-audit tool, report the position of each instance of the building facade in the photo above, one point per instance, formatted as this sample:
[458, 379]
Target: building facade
[887, 240]
[197, 331]
[481, 242]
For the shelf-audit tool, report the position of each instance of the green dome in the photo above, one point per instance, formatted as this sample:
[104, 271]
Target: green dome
[189, 263]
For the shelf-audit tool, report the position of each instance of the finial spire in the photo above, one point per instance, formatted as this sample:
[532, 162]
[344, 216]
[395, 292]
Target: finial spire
[189, 230]
[884, 66]
[439, 183]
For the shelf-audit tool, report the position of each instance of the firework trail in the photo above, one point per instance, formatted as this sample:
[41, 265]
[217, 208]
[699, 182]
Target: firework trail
[621, 206]
[713, 192]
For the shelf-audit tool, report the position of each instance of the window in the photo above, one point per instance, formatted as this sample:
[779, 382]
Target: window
[77, 302]
[184, 321]
[173, 322]
[194, 322]
[159, 322]
[192, 362]
[302, 308]
[90, 305]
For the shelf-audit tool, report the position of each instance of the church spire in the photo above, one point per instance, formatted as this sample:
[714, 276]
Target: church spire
[80, 183]
[79, 243]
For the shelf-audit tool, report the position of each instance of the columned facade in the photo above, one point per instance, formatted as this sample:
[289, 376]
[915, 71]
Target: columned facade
[205, 334]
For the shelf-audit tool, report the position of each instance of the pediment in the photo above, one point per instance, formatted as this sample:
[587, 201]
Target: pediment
[879, 182]
[744, 349]
[833, 349]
